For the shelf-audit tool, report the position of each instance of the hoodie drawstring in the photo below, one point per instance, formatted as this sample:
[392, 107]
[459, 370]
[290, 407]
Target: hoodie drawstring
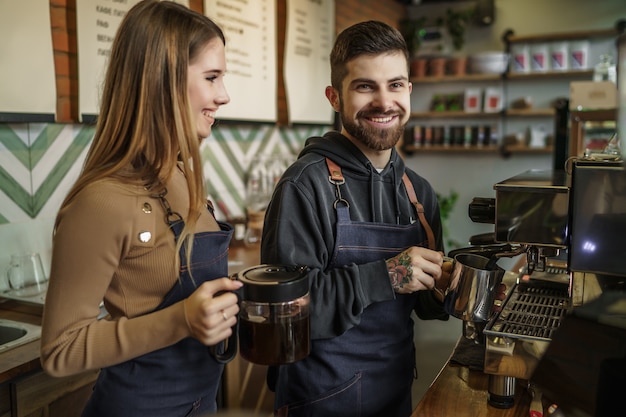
[396, 200]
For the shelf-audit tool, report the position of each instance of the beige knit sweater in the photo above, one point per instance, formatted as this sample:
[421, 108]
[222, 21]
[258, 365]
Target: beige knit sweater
[98, 255]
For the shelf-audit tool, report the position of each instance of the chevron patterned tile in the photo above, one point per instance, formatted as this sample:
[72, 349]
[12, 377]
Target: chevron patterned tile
[15, 187]
[39, 162]
[230, 151]
[59, 166]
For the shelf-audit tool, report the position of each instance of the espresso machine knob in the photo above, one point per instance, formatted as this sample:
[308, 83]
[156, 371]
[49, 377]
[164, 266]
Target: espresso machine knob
[482, 210]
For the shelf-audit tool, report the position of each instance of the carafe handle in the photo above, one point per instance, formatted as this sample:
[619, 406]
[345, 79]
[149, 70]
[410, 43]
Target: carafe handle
[226, 350]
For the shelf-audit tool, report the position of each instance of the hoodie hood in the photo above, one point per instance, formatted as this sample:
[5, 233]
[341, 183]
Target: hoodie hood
[348, 156]
[382, 188]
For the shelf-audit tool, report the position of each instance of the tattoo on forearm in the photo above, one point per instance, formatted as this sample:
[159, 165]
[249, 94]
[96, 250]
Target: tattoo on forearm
[400, 270]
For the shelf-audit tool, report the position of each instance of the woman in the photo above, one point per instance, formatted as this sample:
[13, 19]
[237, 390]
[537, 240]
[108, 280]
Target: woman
[136, 231]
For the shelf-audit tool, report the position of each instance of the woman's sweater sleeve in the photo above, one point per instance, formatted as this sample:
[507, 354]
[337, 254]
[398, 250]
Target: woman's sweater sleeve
[94, 234]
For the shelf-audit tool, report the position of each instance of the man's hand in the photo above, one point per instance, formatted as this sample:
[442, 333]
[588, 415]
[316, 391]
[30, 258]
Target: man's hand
[417, 269]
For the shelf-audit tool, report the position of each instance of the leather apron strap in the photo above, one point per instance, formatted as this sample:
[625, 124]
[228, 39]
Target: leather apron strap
[420, 211]
[337, 178]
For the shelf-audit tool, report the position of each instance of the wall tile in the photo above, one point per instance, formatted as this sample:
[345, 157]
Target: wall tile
[39, 162]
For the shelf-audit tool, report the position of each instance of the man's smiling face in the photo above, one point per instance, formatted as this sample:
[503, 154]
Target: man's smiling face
[375, 100]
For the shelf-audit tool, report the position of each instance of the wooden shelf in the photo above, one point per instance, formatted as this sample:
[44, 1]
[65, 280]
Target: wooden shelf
[476, 149]
[527, 149]
[513, 76]
[458, 78]
[453, 115]
[482, 115]
[594, 115]
[578, 119]
[568, 36]
[529, 112]
[450, 148]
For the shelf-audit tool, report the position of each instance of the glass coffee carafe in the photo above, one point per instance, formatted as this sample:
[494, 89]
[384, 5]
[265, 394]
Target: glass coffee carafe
[273, 326]
[274, 316]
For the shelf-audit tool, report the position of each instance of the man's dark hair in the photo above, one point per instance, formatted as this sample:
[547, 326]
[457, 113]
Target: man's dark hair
[364, 38]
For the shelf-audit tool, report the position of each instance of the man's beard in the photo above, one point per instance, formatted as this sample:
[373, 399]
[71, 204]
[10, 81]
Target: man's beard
[374, 138]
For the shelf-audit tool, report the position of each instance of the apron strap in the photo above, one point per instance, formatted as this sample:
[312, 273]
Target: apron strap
[410, 190]
[337, 178]
[335, 172]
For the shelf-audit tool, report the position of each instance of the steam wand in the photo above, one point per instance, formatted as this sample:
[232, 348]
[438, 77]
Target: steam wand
[509, 254]
[535, 257]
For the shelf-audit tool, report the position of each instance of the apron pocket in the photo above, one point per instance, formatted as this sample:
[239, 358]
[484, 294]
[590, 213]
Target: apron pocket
[343, 400]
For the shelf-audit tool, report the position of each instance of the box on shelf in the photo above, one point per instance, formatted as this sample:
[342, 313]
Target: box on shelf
[559, 56]
[592, 95]
[539, 61]
[472, 100]
[520, 58]
[579, 55]
[493, 100]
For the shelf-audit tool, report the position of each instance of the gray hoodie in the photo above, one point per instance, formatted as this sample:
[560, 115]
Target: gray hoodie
[300, 221]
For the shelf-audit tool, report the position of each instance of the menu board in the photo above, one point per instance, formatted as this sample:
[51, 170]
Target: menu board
[250, 30]
[27, 85]
[309, 40]
[97, 22]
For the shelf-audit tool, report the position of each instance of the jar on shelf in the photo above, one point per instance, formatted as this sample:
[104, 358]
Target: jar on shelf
[605, 69]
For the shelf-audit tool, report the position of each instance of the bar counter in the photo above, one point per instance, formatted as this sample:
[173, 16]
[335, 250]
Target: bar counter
[458, 391]
[25, 358]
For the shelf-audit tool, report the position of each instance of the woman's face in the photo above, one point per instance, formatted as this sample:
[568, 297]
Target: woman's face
[205, 85]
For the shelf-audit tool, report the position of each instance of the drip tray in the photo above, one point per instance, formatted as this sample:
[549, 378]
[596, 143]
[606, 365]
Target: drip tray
[518, 336]
[532, 312]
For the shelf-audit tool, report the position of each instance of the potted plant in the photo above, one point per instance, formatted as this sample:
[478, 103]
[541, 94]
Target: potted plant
[446, 204]
[411, 30]
[456, 23]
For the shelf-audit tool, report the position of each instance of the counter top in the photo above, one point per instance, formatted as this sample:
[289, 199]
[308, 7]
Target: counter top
[242, 256]
[458, 391]
[23, 358]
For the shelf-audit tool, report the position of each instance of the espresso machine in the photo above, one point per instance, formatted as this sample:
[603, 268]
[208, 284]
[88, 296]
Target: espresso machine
[570, 228]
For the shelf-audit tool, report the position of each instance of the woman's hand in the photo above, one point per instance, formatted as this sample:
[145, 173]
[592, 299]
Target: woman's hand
[211, 310]
[416, 269]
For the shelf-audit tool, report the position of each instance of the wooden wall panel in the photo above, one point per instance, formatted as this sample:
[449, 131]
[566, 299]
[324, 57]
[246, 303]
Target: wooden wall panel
[348, 12]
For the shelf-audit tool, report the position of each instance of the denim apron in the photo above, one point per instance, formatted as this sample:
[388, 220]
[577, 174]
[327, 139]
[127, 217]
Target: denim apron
[368, 370]
[179, 380]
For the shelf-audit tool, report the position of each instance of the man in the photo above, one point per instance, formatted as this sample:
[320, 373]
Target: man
[344, 210]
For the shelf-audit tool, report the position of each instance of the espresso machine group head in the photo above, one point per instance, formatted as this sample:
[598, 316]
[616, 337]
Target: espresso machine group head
[530, 214]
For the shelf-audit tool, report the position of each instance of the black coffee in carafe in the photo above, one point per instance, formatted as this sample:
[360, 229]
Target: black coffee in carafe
[274, 315]
[269, 343]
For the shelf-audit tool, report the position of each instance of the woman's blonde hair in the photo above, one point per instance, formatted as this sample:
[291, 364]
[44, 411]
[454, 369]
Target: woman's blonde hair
[144, 126]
